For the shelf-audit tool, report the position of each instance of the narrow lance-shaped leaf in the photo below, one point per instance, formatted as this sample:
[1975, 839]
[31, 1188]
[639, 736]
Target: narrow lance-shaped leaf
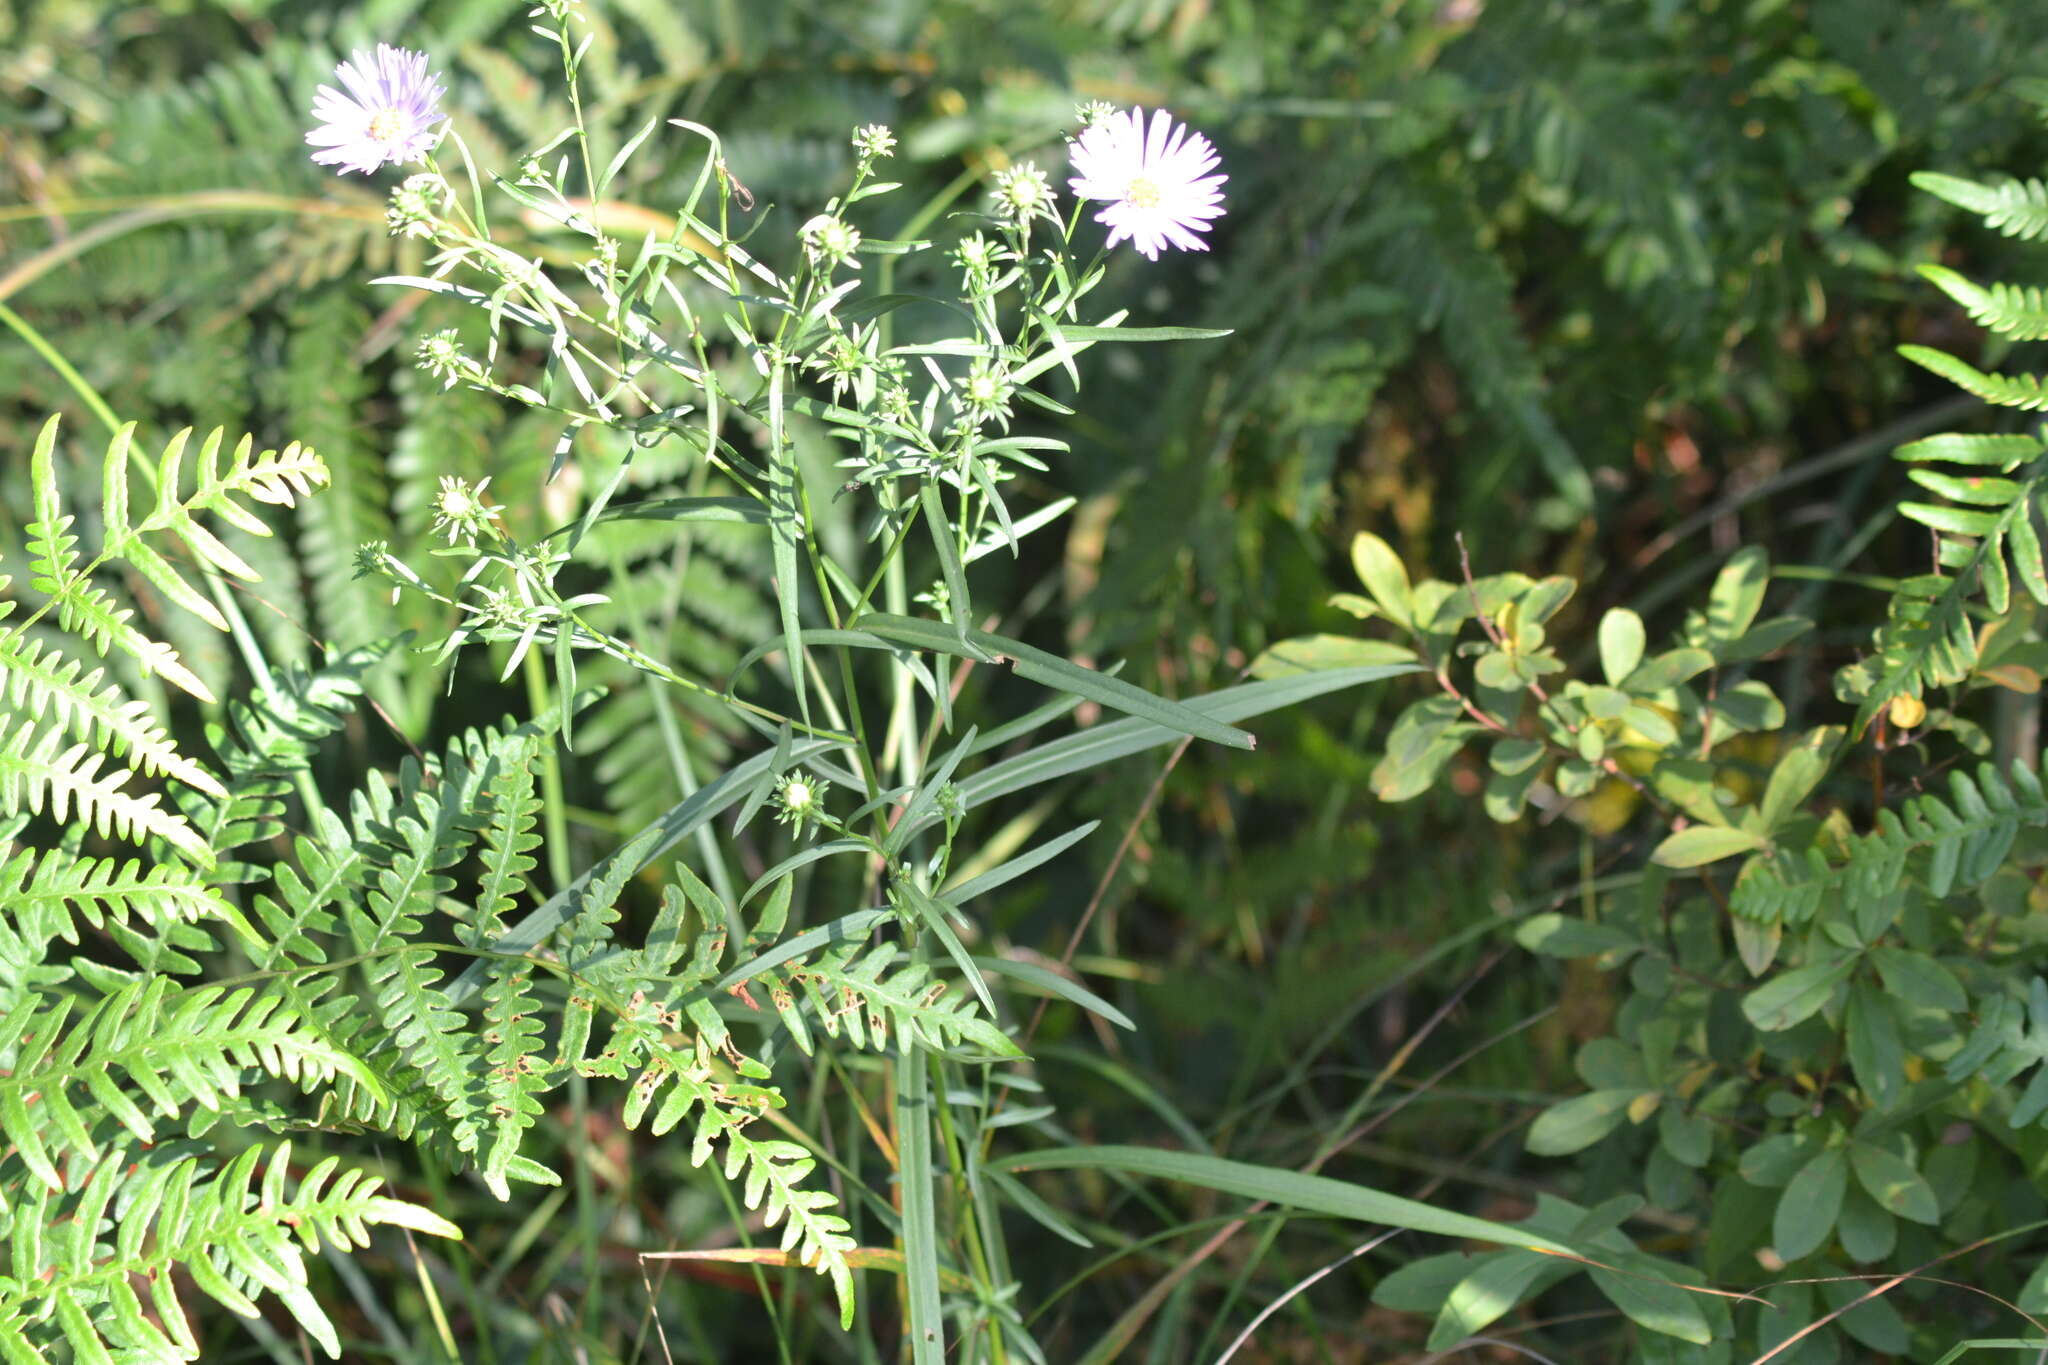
[1056, 672]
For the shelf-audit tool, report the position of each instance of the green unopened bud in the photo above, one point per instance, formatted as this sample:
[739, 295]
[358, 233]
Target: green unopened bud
[414, 209]
[799, 798]
[830, 242]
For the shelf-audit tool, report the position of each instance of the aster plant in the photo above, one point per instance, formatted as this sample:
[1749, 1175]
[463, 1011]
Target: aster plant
[687, 338]
[737, 354]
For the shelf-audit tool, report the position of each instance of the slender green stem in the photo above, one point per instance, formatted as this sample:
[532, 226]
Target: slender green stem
[970, 1226]
[56, 361]
[590, 1220]
[554, 811]
[569, 65]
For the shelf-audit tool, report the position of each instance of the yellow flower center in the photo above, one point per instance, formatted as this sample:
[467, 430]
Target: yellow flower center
[384, 125]
[1142, 194]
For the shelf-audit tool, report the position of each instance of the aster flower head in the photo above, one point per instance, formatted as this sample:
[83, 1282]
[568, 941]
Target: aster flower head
[874, 140]
[830, 241]
[441, 355]
[1157, 180]
[799, 798]
[984, 395]
[892, 397]
[844, 358]
[460, 512]
[383, 113]
[1094, 112]
[1023, 193]
[371, 557]
[979, 259]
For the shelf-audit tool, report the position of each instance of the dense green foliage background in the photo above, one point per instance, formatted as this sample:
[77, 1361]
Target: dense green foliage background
[1607, 287]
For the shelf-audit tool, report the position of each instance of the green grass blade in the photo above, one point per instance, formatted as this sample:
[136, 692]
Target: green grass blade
[1120, 739]
[1061, 674]
[1314, 1193]
[1019, 865]
[920, 1222]
[1052, 983]
[933, 914]
[786, 528]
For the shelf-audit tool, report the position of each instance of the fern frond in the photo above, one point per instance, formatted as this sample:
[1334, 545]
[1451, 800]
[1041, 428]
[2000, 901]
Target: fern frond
[854, 988]
[1927, 640]
[325, 401]
[280, 730]
[177, 1048]
[593, 958]
[865, 990]
[38, 681]
[323, 875]
[404, 981]
[689, 1076]
[1963, 840]
[512, 1080]
[90, 612]
[410, 839]
[2017, 208]
[509, 840]
[1986, 531]
[272, 476]
[83, 608]
[237, 1235]
[47, 887]
[52, 549]
[1459, 286]
[775, 1171]
[268, 739]
[389, 1096]
[36, 773]
[276, 477]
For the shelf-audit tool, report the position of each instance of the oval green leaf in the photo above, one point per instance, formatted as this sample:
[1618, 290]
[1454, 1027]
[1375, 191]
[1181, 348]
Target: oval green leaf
[1703, 844]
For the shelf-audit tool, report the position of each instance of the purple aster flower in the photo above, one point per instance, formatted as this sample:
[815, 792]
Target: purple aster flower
[1157, 180]
[386, 114]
